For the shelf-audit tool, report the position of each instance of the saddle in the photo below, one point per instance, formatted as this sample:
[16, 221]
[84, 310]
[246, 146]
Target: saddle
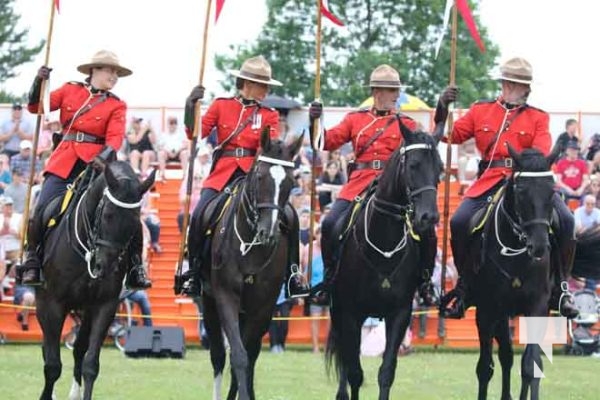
[480, 218]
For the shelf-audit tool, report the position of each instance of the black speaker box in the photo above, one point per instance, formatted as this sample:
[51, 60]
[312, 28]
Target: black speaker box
[155, 341]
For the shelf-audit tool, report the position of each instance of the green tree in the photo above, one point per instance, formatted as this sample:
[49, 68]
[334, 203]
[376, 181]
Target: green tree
[402, 34]
[13, 48]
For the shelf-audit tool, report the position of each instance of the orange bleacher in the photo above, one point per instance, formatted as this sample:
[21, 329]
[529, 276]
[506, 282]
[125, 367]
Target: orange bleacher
[169, 310]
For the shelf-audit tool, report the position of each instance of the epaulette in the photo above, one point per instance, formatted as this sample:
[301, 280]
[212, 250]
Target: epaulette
[360, 110]
[485, 101]
[76, 83]
[537, 109]
[224, 98]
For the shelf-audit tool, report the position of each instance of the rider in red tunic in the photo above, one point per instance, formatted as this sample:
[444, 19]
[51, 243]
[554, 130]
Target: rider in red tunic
[239, 122]
[375, 134]
[495, 124]
[93, 125]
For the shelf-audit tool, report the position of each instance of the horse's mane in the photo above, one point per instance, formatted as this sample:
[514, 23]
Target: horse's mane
[532, 160]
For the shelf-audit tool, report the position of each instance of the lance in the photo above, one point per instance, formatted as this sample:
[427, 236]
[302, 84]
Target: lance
[197, 132]
[36, 133]
[315, 133]
[449, 152]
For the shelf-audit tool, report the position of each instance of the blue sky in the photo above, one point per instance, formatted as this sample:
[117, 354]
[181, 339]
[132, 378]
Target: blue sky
[161, 42]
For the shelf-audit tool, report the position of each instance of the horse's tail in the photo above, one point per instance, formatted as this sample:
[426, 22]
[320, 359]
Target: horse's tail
[333, 353]
[587, 254]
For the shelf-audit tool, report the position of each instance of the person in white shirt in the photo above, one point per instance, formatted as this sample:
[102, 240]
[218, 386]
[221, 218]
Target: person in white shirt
[10, 229]
[172, 146]
[587, 216]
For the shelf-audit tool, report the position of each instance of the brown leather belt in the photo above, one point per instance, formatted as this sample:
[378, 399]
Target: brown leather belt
[239, 152]
[82, 137]
[503, 162]
[375, 164]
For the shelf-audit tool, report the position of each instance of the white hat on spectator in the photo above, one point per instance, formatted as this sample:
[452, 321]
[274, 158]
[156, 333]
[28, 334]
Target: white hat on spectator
[26, 144]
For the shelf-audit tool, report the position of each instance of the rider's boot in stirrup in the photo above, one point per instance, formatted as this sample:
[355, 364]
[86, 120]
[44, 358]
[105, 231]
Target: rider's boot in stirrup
[136, 277]
[31, 270]
[428, 253]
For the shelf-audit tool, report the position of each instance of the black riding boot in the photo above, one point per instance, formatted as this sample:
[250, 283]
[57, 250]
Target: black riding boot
[322, 291]
[31, 270]
[454, 304]
[136, 278]
[561, 299]
[296, 283]
[428, 250]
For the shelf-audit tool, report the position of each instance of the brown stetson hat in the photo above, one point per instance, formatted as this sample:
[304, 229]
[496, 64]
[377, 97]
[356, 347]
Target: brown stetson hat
[104, 58]
[518, 70]
[384, 76]
[256, 69]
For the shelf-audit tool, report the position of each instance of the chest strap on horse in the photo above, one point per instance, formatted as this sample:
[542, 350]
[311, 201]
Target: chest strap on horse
[67, 197]
[489, 209]
[231, 193]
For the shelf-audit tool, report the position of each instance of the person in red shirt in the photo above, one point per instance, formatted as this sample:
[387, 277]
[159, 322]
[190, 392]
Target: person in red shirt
[238, 121]
[572, 173]
[359, 128]
[93, 126]
[494, 124]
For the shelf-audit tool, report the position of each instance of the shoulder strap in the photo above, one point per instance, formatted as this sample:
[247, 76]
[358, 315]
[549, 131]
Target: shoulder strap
[85, 109]
[239, 129]
[503, 128]
[373, 138]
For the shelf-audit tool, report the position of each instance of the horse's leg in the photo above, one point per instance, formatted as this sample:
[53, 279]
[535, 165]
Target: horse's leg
[485, 365]
[505, 354]
[333, 350]
[531, 360]
[350, 352]
[100, 319]
[251, 336]
[215, 338]
[395, 329]
[228, 305]
[51, 316]
[79, 348]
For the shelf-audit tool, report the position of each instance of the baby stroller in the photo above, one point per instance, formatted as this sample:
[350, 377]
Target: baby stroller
[584, 337]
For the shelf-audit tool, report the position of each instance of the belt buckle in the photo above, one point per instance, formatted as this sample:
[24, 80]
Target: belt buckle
[376, 164]
[239, 152]
[79, 137]
[508, 162]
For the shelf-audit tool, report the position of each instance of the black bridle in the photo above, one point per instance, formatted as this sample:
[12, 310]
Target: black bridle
[250, 208]
[91, 229]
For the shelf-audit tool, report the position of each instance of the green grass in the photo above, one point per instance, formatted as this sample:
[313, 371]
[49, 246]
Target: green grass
[295, 374]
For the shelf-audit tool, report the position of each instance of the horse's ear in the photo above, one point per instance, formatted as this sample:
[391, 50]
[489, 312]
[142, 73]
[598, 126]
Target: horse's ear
[297, 145]
[553, 156]
[111, 181]
[406, 132]
[265, 139]
[515, 155]
[148, 182]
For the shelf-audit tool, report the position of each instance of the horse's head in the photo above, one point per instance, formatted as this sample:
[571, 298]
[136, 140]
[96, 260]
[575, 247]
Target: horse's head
[529, 198]
[270, 182]
[117, 214]
[419, 167]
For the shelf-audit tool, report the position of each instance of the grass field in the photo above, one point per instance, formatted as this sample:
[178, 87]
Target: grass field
[295, 374]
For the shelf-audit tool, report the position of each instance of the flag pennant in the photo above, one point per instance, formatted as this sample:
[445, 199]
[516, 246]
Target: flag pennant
[218, 9]
[57, 5]
[328, 14]
[463, 8]
[465, 11]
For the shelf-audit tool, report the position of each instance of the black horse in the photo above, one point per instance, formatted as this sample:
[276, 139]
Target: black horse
[379, 263]
[249, 253]
[84, 270]
[513, 260]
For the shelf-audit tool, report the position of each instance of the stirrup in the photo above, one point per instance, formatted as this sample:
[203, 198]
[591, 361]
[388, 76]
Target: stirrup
[453, 305]
[567, 296]
[296, 287]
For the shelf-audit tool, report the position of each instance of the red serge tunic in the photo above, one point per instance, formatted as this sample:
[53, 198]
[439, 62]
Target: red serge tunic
[105, 119]
[528, 129]
[226, 114]
[358, 127]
